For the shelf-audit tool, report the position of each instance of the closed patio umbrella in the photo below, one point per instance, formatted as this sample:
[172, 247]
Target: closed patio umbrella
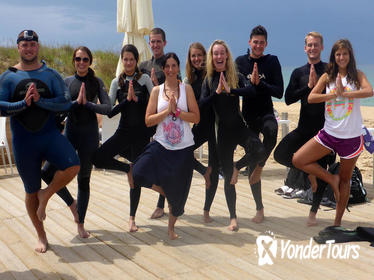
[135, 19]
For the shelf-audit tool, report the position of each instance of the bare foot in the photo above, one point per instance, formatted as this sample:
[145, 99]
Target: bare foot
[74, 211]
[335, 187]
[259, 217]
[207, 177]
[312, 221]
[158, 213]
[82, 232]
[234, 177]
[233, 225]
[207, 218]
[42, 245]
[130, 178]
[313, 182]
[42, 205]
[172, 235]
[132, 225]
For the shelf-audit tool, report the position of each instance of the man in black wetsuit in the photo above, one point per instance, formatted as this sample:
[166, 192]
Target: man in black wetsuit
[311, 118]
[264, 77]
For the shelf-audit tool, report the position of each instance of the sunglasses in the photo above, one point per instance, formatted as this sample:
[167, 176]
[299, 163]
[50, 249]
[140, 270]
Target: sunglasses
[84, 59]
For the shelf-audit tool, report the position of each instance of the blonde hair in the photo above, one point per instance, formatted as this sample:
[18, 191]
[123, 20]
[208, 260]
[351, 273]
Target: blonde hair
[231, 73]
[189, 68]
[314, 34]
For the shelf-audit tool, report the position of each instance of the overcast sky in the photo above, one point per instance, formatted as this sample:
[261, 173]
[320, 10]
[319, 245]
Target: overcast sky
[93, 23]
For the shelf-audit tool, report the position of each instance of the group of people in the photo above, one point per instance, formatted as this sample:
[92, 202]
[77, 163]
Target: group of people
[154, 132]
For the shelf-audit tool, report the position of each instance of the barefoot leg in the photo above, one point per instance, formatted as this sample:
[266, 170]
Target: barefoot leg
[130, 178]
[74, 211]
[207, 177]
[132, 225]
[82, 232]
[207, 218]
[61, 179]
[234, 177]
[233, 225]
[259, 217]
[172, 221]
[312, 220]
[159, 212]
[313, 182]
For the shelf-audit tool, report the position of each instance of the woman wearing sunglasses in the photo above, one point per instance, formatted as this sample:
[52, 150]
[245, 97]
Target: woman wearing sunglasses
[82, 130]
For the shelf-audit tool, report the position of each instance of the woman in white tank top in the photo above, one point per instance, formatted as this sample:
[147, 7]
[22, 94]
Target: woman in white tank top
[166, 165]
[342, 134]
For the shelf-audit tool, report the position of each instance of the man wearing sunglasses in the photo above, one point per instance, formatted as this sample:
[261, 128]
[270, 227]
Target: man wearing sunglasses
[31, 93]
[264, 76]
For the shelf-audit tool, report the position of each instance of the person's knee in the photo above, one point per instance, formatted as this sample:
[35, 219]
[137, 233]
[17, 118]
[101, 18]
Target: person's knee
[296, 161]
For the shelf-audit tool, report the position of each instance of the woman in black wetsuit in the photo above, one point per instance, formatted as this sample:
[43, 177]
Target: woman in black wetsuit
[82, 130]
[232, 129]
[195, 74]
[131, 89]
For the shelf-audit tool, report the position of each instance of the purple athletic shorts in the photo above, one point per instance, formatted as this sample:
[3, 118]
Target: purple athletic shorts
[345, 148]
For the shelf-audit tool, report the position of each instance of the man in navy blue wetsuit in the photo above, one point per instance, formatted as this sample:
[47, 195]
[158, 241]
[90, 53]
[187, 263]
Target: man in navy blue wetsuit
[31, 93]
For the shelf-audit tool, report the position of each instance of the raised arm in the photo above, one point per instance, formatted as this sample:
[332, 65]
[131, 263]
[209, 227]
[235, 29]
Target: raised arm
[151, 116]
[295, 91]
[104, 107]
[365, 90]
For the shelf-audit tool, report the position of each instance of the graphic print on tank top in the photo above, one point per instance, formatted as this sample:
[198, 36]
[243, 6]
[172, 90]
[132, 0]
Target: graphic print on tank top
[173, 131]
[341, 107]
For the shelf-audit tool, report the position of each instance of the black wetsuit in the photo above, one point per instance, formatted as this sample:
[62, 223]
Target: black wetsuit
[146, 67]
[83, 133]
[203, 132]
[231, 131]
[131, 136]
[311, 120]
[257, 107]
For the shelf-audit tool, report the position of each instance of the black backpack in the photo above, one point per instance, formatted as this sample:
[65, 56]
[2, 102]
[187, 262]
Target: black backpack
[297, 179]
[358, 192]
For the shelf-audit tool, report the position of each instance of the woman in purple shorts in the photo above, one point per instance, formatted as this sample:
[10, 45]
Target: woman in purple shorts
[341, 88]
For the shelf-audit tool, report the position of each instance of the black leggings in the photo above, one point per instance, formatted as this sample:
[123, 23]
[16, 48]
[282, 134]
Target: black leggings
[201, 135]
[228, 139]
[85, 140]
[128, 144]
[283, 154]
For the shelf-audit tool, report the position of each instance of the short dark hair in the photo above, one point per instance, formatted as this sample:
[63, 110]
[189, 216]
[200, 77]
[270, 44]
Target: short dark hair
[158, 30]
[259, 30]
[27, 35]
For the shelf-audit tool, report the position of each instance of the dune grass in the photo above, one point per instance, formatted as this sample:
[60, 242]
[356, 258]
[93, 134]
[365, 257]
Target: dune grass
[60, 58]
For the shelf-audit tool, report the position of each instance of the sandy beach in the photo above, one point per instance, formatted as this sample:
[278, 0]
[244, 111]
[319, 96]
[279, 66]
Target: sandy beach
[365, 162]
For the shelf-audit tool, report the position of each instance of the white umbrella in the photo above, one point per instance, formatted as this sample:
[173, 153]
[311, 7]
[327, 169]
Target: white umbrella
[135, 19]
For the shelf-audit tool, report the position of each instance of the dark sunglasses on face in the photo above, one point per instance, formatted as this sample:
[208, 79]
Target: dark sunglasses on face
[84, 59]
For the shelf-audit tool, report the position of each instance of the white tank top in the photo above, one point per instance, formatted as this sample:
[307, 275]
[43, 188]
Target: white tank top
[343, 115]
[173, 135]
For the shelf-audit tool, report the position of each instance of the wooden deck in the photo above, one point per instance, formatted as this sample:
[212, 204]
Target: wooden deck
[204, 251]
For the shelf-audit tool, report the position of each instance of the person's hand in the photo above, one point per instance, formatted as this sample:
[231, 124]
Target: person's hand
[255, 79]
[225, 86]
[80, 94]
[173, 102]
[339, 86]
[34, 93]
[312, 77]
[220, 86]
[28, 96]
[129, 91]
[132, 92]
[84, 97]
[154, 77]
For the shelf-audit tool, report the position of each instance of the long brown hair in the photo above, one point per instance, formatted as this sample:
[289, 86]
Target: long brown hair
[333, 68]
[231, 74]
[189, 68]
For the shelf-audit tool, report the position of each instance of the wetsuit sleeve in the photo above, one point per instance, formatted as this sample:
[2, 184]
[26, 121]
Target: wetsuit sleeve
[9, 108]
[275, 85]
[295, 91]
[206, 99]
[61, 100]
[104, 107]
[113, 91]
[148, 83]
[118, 108]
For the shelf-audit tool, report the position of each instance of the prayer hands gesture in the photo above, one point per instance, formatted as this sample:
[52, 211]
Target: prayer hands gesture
[339, 87]
[312, 77]
[255, 78]
[31, 95]
[153, 77]
[172, 108]
[222, 85]
[131, 94]
[82, 99]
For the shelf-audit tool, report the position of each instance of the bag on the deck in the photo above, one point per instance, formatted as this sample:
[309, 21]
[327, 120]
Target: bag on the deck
[358, 192]
[297, 179]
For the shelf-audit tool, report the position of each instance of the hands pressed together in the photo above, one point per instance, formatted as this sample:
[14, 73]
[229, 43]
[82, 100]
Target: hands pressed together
[131, 93]
[31, 95]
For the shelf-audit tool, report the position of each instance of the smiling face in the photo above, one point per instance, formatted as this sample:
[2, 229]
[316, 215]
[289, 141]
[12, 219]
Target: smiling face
[81, 62]
[28, 51]
[197, 58]
[313, 48]
[258, 44]
[342, 58]
[129, 63]
[157, 45]
[219, 55]
[171, 68]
